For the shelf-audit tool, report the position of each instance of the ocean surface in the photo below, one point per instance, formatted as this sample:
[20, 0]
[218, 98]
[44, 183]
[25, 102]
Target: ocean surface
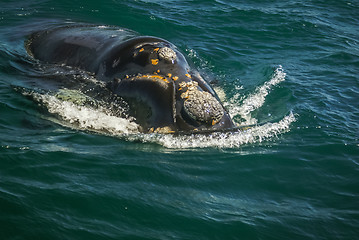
[290, 69]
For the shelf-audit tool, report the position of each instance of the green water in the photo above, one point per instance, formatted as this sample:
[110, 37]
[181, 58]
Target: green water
[289, 67]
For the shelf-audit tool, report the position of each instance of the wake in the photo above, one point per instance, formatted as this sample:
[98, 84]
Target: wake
[100, 119]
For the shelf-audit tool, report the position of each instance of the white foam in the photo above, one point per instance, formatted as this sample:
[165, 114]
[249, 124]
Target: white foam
[254, 100]
[233, 139]
[87, 118]
[101, 120]
[220, 140]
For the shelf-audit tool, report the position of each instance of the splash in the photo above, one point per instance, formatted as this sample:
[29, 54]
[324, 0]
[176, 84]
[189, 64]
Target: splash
[82, 117]
[254, 134]
[254, 100]
[102, 120]
[220, 140]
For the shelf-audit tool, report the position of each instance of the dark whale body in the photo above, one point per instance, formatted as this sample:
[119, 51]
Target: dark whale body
[145, 70]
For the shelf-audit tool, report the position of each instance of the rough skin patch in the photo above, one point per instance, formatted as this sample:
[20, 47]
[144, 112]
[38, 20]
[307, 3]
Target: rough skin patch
[199, 105]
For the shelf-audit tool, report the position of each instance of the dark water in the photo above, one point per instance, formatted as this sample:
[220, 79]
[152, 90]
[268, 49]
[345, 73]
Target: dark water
[289, 66]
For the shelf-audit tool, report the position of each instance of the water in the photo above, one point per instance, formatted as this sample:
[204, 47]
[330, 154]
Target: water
[289, 68]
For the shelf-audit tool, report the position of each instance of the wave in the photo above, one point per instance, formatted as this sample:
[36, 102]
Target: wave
[220, 140]
[99, 118]
[254, 100]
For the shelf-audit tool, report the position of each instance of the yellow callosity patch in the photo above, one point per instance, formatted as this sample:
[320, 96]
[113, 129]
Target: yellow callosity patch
[159, 77]
[142, 49]
[169, 75]
[189, 76]
[164, 130]
[156, 49]
[153, 77]
[154, 61]
[175, 78]
[158, 71]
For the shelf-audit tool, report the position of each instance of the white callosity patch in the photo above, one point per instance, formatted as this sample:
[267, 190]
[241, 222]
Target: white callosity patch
[167, 54]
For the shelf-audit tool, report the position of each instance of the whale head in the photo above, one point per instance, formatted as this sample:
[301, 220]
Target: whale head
[159, 105]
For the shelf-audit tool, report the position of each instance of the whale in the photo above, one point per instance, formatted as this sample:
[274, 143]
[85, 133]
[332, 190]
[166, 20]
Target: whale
[150, 73]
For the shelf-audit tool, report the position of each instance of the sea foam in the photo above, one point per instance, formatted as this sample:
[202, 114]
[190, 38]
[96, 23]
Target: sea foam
[101, 120]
